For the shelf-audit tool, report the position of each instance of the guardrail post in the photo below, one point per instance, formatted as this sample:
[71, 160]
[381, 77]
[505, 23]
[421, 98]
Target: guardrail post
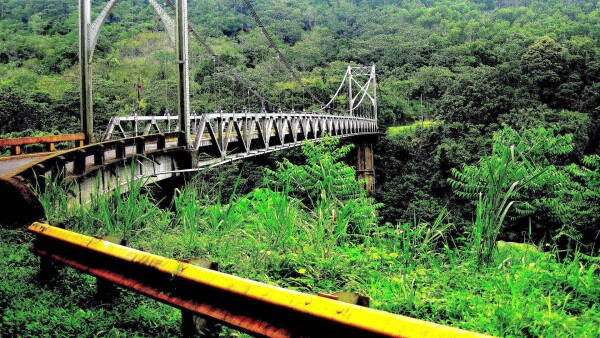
[161, 143]
[48, 269]
[59, 170]
[348, 297]
[120, 150]
[50, 146]
[105, 290]
[79, 164]
[190, 323]
[15, 150]
[99, 156]
[140, 145]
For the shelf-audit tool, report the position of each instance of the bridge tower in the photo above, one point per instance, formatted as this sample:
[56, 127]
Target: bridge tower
[88, 38]
[365, 81]
[183, 80]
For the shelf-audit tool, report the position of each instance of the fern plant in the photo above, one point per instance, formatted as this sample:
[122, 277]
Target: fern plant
[585, 194]
[328, 186]
[509, 179]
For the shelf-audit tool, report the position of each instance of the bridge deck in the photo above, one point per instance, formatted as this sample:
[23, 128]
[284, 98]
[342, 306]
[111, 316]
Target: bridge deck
[12, 163]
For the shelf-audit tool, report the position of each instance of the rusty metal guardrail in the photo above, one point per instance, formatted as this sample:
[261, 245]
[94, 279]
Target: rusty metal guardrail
[243, 304]
[16, 144]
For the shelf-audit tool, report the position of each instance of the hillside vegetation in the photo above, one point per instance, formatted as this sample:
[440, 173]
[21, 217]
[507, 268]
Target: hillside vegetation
[488, 181]
[475, 65]
[310, 227]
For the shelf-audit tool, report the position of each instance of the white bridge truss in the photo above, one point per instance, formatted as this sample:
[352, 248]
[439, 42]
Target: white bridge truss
[221, 134]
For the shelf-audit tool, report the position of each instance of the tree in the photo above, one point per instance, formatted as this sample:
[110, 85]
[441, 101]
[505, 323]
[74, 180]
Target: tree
[544, 66]
[328, 186]
[478, 96]
[18, 112]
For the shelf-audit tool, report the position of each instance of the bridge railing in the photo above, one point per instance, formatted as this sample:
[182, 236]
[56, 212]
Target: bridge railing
[16, 144]
[135, 125]
[240, 303]
[76, 161]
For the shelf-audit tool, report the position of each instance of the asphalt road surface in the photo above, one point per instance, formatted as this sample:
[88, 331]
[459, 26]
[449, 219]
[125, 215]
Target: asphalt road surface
[8, 164]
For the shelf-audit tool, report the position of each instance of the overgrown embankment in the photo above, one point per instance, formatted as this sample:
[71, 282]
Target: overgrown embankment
[311, 228]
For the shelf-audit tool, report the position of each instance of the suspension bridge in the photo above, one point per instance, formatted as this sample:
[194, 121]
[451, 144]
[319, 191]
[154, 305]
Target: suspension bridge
[155, 148]
[161, 147]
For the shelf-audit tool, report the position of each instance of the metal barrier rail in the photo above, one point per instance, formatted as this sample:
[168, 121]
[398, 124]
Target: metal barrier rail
[15, 144]
[244, 126]
[78, 158]
[243, 304]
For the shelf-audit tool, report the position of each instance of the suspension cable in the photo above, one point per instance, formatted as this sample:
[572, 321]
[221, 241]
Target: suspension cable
[218, 60]
[280, 55]
[330, 104]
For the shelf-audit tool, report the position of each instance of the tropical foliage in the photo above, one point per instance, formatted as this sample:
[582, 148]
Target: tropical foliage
[271, 234]
[488, 183]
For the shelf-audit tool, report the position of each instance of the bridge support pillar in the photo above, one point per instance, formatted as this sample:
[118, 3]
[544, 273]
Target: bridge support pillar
[365, 167]
[186, 159]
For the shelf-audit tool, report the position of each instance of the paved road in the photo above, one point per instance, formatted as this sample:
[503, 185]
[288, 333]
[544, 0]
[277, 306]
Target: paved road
[12, 163]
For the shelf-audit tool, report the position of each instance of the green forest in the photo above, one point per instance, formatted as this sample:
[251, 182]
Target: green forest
[487, 208]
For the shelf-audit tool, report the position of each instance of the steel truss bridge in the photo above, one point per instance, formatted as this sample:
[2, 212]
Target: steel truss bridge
[224, 135]
[161, 147]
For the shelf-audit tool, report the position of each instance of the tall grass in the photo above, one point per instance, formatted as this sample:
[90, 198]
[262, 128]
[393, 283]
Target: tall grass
[307, 229]
[56, 195]
[121, 212]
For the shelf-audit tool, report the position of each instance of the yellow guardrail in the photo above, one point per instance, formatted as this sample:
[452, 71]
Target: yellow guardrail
[240, 303]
